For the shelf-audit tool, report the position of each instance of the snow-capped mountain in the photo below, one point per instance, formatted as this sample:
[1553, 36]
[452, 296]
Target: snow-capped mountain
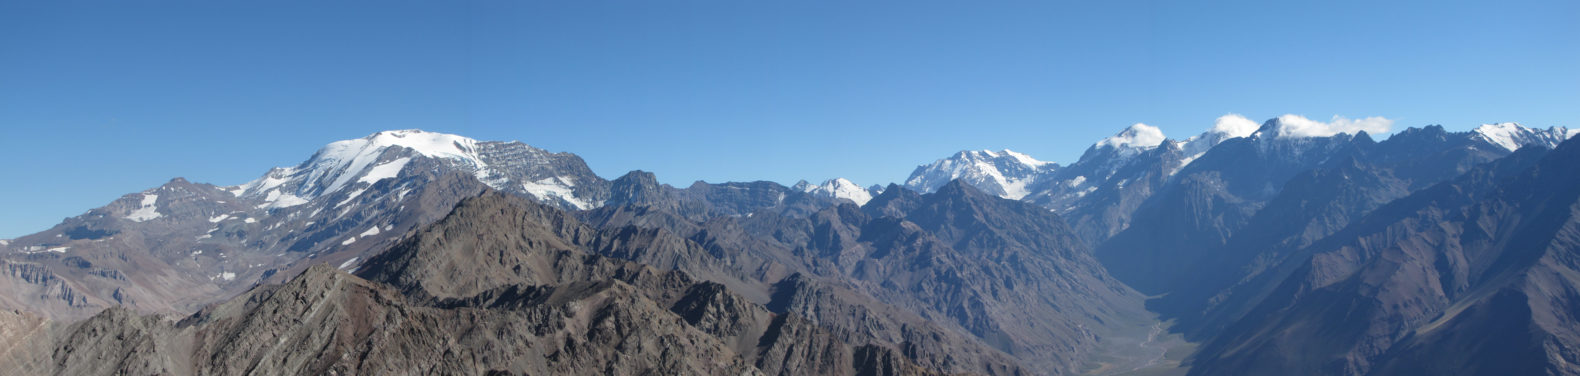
[1512, 136]
[1003, 173]
[839, 189]
[558, 179]
[1116, 174]
[1226, 127]
[350, 198]
[348, 201]
[1135, 139]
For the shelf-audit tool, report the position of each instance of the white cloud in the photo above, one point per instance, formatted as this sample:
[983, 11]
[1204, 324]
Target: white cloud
[1136, 136]
[1234, 125]
[1299, 126]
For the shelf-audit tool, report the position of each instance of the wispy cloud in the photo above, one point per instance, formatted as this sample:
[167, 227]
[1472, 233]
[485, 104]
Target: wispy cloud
[1299, 126]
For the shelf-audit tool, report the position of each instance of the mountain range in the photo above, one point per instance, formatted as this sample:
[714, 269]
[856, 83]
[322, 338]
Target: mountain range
[1286, 246]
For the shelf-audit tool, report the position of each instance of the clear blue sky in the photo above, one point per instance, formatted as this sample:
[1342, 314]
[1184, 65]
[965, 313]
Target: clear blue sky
[100, 100]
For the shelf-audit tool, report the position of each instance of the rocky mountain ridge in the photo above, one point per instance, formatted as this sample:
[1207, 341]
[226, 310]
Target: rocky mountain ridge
[985, 262]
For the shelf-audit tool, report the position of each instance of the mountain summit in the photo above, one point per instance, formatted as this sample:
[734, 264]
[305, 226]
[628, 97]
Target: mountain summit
[1002, 173]
[183, 244]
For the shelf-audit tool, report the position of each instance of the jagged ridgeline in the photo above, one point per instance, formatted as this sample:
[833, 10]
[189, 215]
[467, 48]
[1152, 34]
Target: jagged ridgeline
[500, 285]
[1286, 247]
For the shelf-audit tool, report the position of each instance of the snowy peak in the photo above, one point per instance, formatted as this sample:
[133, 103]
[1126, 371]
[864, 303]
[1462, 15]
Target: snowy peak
[838, 188]
[1105, 156]
[352, 166]
[439, 145]
[1227, 127]
[344, 160]
[1134, 139]
[1004, 173]
[1004, 155]
[1512, 136]
[364, 160]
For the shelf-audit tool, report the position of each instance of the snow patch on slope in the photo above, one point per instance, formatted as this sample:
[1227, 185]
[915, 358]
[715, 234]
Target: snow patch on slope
[351, 197]
[146, 210]
[274, 178]
[555, 187]
[387, 170]
[1501, 134]
[276, 200]
[348, 263]
[1026, 159]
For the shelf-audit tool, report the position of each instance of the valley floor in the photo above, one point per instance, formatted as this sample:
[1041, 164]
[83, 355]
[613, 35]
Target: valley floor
[1145, 351]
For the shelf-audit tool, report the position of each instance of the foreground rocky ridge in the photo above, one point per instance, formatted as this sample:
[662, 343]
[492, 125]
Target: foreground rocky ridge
[436, 264]
[535, 305]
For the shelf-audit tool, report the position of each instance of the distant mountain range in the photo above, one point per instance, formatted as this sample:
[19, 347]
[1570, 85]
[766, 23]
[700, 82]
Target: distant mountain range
[1280, 247]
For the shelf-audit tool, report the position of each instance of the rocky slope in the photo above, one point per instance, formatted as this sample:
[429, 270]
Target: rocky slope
[1005, 274]
[1478, 270]
[491, 288]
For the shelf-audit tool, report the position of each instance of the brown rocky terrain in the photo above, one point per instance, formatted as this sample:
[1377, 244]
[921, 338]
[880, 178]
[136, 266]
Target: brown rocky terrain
[530, 304]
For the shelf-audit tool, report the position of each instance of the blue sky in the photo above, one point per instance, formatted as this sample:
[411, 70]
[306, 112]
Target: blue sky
[100, 100]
